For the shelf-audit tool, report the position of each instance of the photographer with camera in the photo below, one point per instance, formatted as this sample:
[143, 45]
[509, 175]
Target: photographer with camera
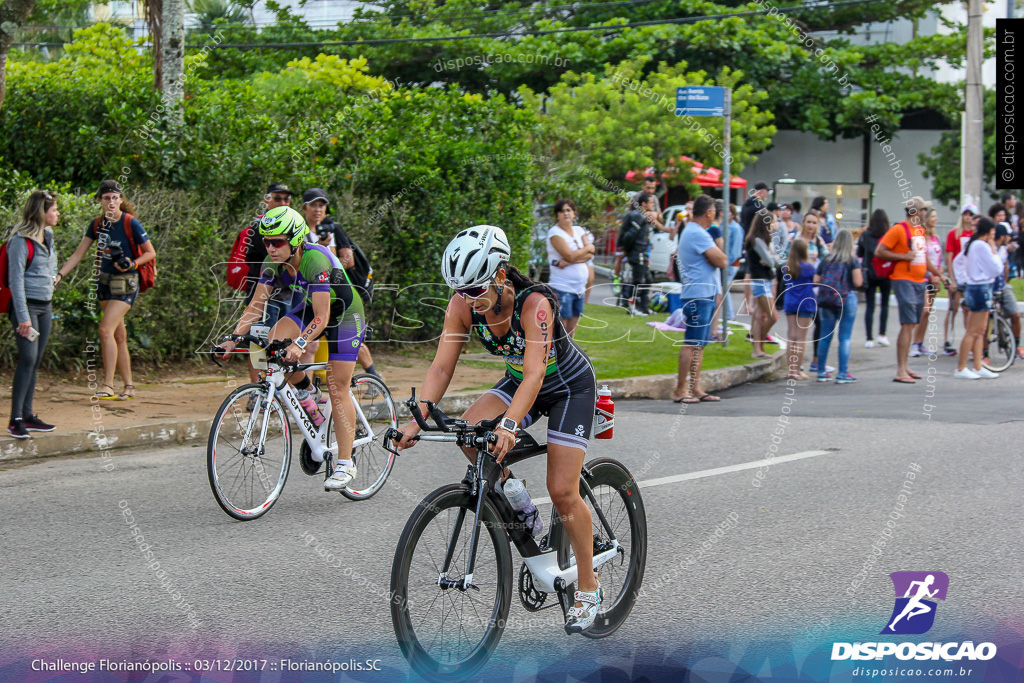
[119, 235]
[327, 233]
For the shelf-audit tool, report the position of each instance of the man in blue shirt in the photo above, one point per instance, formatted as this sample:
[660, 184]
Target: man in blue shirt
[697, 261]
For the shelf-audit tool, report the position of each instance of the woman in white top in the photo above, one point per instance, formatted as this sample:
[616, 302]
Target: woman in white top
[982, 266]
[569, 250]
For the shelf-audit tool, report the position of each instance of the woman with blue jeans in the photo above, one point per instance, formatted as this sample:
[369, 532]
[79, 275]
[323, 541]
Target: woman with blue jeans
[844, 317]
[697, 262]
[31, 284]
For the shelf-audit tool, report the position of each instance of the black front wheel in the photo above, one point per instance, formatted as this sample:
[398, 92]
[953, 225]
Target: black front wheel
[618, 496]
[446, 631]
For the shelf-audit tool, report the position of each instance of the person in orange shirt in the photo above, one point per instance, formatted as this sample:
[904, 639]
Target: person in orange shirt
[905, 244]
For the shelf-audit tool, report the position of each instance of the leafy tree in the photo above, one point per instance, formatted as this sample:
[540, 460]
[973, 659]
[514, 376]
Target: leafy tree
[13, 13]
[942, 162]
[821, 84]
[599, 127]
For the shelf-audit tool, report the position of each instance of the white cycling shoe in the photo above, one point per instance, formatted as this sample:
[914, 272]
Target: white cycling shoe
[579, 619]
[343, 474]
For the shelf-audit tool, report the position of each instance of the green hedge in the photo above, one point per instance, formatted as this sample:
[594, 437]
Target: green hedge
[405, 169]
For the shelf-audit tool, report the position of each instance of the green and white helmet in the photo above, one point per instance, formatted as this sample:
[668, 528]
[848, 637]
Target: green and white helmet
[284, 221]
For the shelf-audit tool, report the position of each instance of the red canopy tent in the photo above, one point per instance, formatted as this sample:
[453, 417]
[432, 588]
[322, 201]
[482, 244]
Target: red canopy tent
[705, 176]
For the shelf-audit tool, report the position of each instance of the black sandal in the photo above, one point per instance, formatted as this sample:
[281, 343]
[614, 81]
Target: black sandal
[127, 393]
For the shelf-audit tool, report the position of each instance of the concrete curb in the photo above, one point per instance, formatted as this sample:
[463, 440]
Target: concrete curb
[656, 387]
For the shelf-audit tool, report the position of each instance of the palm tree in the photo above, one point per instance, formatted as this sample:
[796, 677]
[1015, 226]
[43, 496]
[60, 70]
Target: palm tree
[208, 11]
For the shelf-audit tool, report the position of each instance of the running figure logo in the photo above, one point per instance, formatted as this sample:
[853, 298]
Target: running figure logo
[914, 612]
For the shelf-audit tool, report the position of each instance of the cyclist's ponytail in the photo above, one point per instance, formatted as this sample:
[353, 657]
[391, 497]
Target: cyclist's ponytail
[523, 284]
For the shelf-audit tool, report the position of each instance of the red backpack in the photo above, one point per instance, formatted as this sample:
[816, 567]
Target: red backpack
[238, 262]
[147, 271]
[5, 285]
[882, 267]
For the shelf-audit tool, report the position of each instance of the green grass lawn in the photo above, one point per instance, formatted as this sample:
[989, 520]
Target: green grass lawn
[623, 346]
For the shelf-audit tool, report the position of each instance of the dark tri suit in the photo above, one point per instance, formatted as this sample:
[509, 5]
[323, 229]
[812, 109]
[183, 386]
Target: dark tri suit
[569, 391]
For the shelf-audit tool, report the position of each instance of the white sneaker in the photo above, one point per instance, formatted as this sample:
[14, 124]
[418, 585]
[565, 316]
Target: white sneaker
[882, 341]
[966, 373]
[915, 351]
[869, 344]
[985, 373]
[343, 474]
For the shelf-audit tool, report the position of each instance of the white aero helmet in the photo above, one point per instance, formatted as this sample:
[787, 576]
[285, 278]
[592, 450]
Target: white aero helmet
[473, 257]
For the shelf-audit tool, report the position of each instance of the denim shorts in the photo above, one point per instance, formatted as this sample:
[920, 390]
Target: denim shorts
[698, 315]
[761, 288]
[569, 305]
[978, 298]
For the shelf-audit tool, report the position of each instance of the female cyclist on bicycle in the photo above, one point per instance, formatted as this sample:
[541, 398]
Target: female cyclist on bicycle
[326, 306]
[546, 373]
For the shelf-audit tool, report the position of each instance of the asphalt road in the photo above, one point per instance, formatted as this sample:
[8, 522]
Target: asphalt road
[768, 594]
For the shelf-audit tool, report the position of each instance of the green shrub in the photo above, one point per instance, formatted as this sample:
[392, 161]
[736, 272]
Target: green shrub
[405, 169]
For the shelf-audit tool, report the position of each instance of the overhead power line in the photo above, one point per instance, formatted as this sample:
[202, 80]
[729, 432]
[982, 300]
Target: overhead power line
[510, 34]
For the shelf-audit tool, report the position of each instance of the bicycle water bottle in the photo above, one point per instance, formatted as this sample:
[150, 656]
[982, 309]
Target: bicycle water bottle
[309, 404]
[605, 403]
[526, 511]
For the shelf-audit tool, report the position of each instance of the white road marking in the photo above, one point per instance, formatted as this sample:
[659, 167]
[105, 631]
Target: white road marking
[714, 472]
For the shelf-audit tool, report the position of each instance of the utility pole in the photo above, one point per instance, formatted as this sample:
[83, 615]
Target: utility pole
[972, 133]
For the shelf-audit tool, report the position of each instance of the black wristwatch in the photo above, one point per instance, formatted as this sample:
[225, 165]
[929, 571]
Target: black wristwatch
[509, 425]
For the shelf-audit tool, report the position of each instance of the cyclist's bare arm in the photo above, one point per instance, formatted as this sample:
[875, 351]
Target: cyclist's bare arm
[250, 315]
[458, 321]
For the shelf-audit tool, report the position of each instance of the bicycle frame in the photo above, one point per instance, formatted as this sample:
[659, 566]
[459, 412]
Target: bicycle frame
[318, 438]
[542, 563]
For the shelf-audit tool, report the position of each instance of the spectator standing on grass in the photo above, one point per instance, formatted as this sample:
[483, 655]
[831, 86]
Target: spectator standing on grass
[982, 267]
[735, 252]
[956, 240]
[638, 225]
[829, 227]
[905, 243]
[117, 272]
[755, 202]
[761, 266]
[568, 252]
[933, 247]
[799, 304]
[697, 262]
[31, 283]
[841, 268]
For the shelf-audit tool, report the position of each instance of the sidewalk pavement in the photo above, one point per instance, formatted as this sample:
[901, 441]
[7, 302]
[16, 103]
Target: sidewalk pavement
[174, 410]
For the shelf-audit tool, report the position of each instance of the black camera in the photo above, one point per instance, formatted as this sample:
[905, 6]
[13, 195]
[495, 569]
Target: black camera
[324, 230]
[118, 257]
